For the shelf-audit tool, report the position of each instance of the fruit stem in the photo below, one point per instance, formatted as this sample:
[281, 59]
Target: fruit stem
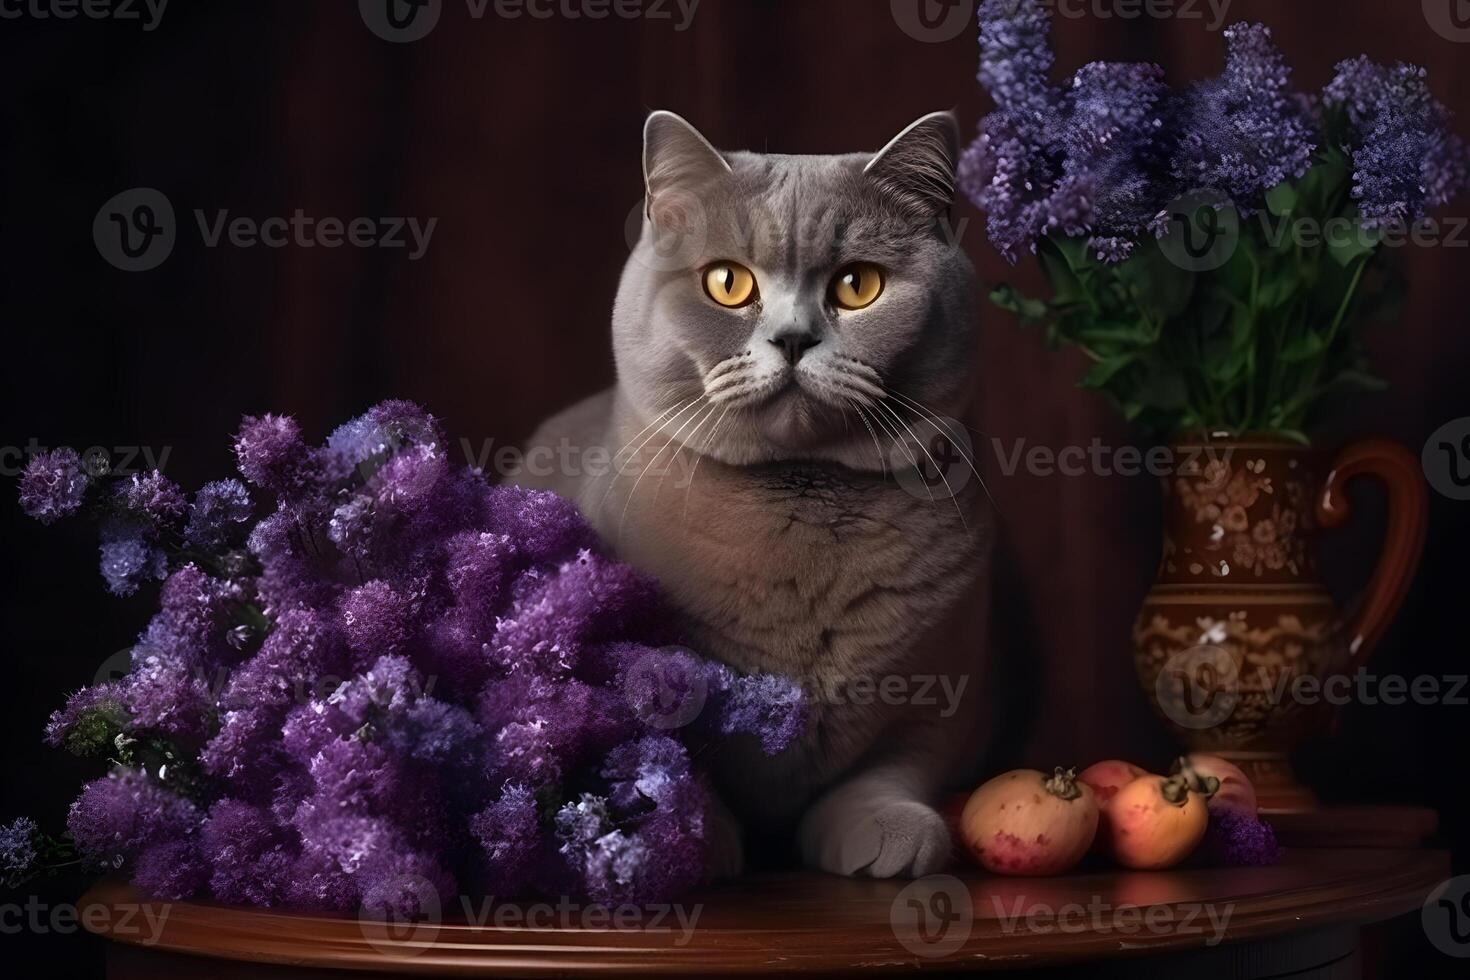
[1063, 784]
[1205, 785]
[1175, 790]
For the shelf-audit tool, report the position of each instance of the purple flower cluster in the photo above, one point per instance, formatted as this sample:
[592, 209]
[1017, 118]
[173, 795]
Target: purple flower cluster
[1405, 159]
[400, 680]
[1234, 840]
[53, 485]
[1104, 156]
[18, 849]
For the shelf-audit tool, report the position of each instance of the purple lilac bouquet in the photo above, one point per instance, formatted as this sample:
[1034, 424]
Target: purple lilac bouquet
[1216, 250]
[399, 680]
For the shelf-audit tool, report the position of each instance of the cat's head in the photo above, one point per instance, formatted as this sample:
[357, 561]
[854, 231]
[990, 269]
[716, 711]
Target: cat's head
[789, 307]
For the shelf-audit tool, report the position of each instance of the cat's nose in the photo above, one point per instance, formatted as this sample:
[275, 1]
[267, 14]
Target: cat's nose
[795, 342]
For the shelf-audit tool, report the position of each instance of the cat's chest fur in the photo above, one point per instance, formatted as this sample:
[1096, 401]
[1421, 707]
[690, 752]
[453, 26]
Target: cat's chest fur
[806, 570]
[842, 581]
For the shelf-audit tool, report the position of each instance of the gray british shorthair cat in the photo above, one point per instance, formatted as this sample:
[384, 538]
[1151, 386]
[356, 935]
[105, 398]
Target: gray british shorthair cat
[784, 328]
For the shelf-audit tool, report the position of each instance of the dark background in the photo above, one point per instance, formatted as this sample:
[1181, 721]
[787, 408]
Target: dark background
[522, 138]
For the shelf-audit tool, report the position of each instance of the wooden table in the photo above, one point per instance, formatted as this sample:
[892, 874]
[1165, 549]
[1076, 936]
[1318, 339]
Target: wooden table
[1300, 917]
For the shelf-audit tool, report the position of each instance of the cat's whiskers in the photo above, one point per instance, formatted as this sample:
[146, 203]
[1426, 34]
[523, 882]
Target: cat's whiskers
[746, 390]
[652, 429]
[699, 458]
[725, 367]
[936, 420]
[877, 446]
[699, 403]
[935, 463]
[897, 440]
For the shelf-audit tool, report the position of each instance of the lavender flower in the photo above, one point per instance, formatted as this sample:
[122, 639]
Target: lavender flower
[90, 721]
[1234, 840]
[1405, 160]
[272, 455]
[1246, 131]
[153, 497]
[1104, 158]
[18, 850]
[129, 556]
[219, 508]
[53, 485]
[509, 832]
[422, 672]
[123, 812]
[172, 870]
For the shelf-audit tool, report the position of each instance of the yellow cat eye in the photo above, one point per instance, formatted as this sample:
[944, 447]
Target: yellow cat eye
[730, 284]
[857, 285]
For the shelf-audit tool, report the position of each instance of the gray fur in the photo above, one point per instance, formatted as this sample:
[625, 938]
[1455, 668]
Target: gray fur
[782, 542]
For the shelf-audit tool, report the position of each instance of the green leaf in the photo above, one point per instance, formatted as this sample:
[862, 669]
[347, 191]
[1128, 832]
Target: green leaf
[1007, 298]
[1163, 390]
[1324, 182]
[1354, 244]
[1228, 369]
[1066, 287]
[1279, 288]
[1281, 199]
[1303, 348]
[1093, 333]
[1103, 371]
[1160, 287]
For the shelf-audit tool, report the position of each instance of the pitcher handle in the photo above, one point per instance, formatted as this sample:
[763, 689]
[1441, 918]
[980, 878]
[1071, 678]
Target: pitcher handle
[1403, 541]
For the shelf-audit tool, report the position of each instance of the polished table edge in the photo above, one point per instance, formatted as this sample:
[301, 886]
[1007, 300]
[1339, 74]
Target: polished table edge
[832, 924]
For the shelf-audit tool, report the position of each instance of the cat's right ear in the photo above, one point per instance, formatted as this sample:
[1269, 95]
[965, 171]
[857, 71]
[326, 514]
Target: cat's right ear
[675, 155]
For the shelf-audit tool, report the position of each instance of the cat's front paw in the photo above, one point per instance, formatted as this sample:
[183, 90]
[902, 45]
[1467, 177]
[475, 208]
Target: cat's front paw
[900, 840]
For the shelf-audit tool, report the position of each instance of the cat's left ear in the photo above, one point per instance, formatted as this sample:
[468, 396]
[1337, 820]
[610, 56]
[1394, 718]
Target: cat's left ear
[675, 155]
[918, 165]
